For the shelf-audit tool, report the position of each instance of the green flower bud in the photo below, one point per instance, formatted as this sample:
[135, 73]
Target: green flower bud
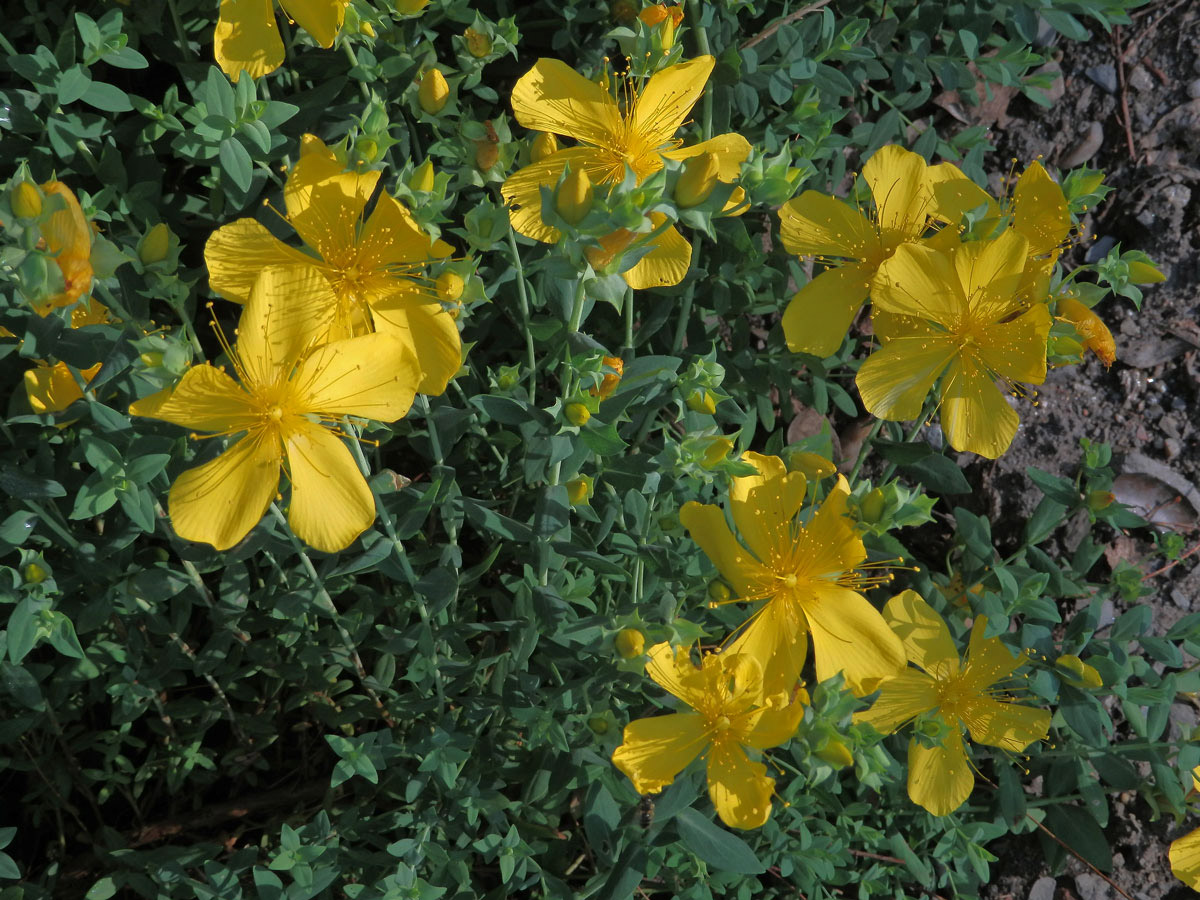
[598, 724]
[872, 506]
[836, 754]
[579, 490]
[35, 574]
[719, 592]
[1098, 500]
[478, 45]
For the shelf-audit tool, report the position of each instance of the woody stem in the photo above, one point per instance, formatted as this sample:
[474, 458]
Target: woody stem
[523, 300]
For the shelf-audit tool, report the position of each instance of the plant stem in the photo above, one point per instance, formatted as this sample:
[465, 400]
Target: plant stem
[349, 51]
[864, 449]
[325, 603]
[705, 50]
[523, 299]
[627, 347]
[184, 45]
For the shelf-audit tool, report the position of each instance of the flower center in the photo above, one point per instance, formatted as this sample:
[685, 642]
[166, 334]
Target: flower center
[951, 695]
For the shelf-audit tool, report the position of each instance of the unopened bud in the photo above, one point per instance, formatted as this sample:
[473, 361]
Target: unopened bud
[1098, 500]
[629, 642]
[151, 360]
[434, 91]
[449, 287]
[697, 180]
[579, 490]
[702, 401]
[1077, 672]
[611, 379]
[366, 28]
[35, 574]
[26, 201]
[508, 378]
[719, 592]
[545, 144]
[716, 452]
[872, 506]
[573, 199]
[478, 45]
[1145, 273]
[410, 7]
[836, 754]
[577, 413]
[598, 724]
[486, 154]
[422, 178]
[155, 245]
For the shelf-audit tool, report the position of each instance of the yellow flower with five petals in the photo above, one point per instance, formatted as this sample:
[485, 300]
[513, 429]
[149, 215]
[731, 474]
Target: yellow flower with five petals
[804, 575]
[638, 133]
[293, 391]
[958, 314]
[960, 693]
[728, 714]
[375, 267]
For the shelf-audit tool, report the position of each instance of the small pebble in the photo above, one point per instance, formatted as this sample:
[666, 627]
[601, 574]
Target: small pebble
[1177, 195]
[1100, 248]
[1104, 77]
[1172, 448]
[1043, 889]
[1194, 89]
[1092, 140]
[1146, 218]
[1139, 79]
[1092, 887]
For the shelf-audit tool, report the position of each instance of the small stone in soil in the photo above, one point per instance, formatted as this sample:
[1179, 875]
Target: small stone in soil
[1194, 88]
[1140, 79]
[1100, 248]
[1103, 76]
[1092, 140]
[1092, 887]
[1043, 889]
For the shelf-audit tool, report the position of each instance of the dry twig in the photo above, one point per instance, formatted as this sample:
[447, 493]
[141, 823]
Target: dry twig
[786, 20]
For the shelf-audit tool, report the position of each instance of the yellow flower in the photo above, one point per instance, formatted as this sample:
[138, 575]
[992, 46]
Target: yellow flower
[640, 134]
[52, 388]
[815, 224]
[804, 573]
[1184, 854]
[609, 383]
[375, 267]
[959, 315]
[68, 239]
[247, 38]
[958, 693]
[728, 715]
[286, 408]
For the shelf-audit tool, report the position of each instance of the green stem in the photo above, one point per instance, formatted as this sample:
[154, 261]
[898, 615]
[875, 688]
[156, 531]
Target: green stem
[908, 438]
[325, 603]
[864, 449]
[349, 51]
[705, 50]
[184, 44]
[53, 524]
[523, 299]
[627, 347]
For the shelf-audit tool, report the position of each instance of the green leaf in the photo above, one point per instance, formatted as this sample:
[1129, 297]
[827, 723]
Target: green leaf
[106, 97]
[102, 889]
[236, 163]
[718, 848]
[73, 84]
[1079, 831]
[8, 869]
[23, 486]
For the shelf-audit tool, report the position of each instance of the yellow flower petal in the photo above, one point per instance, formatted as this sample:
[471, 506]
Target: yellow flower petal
[325, 204]
[66, 230]
[988, 659]
[777, 636]
[775, 725]
[52, 389]
[667, 262]
[1095, 334]
[926, 639]
[655, 750]
[320, 18]
[219, 502]
[976, 416]
[664, 103]
[829, 544]
[554, 97]
[730, 150]
[206, 399]
[1016, 350]
[895, 380]
[901, 699]
[1184, 854]
[247, 38]
[522, 190]
[740, 789]
[1040, 211]
[237, 253]
[940, 778]
[764, 505]
[1010, 726]
[815, 224]
[391, 235]
[373, 377]
[707, 526]
[672, 669]
[897, 180]
[919, 281]
[428, 332]
[850, 636]
[990, 274]
[820, 313]
[331, 503]
[954, 194]
[290, 309]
